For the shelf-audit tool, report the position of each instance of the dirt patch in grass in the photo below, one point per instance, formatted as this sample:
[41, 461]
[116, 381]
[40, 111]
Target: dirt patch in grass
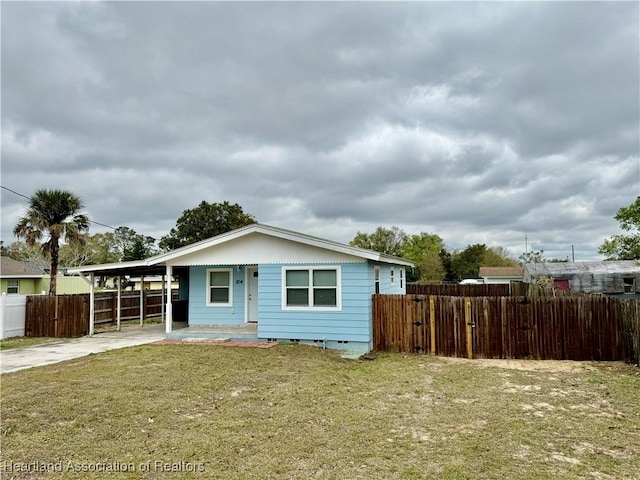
[299, 412]
[526, 365]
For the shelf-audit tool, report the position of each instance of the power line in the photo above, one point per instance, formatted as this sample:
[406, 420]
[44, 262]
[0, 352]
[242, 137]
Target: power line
[29, 198]
[13, 191]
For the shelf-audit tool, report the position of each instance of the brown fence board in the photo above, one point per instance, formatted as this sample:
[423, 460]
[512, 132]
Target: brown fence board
[631, 330]
[567, 327]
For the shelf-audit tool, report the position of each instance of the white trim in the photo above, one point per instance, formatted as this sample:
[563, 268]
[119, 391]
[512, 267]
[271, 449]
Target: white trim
[208, 302]
[278, 233]
[169, 325]
[171, 258]
[310, 307]
[92, 305]
[109, 266]
[119, 305]
[16, 286]
[376, 279]
[247, 291]
[632, 285]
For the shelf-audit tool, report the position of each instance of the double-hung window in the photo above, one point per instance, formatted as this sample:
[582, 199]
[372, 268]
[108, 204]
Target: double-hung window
[219, 287]
[13, 286]
[629, 284]
[315, 288]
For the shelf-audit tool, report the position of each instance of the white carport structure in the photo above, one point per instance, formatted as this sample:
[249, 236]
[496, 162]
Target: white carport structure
[139, 268]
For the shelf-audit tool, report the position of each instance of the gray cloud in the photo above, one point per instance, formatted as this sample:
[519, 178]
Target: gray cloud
[480, 122]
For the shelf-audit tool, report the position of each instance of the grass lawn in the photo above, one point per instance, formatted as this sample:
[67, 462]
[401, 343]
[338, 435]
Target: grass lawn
[19, 342]
[296, 412]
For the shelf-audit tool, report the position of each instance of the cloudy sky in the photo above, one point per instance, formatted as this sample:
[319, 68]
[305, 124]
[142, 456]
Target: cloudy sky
[481, 122]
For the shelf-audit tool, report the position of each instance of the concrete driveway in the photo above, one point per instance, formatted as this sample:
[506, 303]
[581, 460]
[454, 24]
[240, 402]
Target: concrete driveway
[16, 359]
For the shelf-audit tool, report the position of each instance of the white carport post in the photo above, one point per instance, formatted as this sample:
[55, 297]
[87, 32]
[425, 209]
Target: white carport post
[169, 308]
[92, 307]
[141, 300]
[119, 304]
[162, 309]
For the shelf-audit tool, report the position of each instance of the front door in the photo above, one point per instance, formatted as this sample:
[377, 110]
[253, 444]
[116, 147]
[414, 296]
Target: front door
[252, 294]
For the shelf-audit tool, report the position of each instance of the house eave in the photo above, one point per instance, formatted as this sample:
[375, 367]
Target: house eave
[21, 277]
[170, 257]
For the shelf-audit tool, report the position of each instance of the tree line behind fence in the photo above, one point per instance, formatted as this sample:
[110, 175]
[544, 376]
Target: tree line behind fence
[562, 328]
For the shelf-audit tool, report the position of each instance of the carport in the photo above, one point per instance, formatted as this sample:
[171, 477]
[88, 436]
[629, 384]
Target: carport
[136, 268]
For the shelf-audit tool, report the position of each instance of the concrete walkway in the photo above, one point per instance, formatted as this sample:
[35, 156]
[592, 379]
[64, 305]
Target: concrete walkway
[16, 359]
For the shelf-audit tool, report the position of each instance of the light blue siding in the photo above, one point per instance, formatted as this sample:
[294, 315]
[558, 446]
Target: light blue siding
[202, 314]
[350, 324]
[386, 286]
[349, 328]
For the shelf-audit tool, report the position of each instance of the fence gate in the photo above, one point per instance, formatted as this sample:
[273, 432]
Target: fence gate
[57, 316]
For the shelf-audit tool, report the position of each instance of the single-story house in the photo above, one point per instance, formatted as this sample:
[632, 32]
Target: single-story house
[501, 275]
[291, 286]
[620, 277]
[23, 278]
[20, 278]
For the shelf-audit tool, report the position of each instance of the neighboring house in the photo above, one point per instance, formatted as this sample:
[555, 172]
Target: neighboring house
[153, 282]
[500, 275]
[22, 278]
[293, 286]
[621, 277]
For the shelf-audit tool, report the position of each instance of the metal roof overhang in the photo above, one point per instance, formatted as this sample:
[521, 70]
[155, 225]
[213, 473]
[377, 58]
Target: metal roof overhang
[125, 268]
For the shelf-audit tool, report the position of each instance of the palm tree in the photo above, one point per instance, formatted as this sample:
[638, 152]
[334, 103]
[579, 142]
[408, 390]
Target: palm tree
[54, 213]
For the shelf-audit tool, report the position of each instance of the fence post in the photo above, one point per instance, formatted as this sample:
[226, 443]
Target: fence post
[55, 318]
[3, 310]
[113, 301]
[432, 323]
[469, 326]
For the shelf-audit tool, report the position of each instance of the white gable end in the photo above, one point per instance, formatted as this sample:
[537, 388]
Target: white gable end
[257, 248]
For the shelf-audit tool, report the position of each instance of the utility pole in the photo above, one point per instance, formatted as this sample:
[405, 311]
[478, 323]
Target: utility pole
[573, 254]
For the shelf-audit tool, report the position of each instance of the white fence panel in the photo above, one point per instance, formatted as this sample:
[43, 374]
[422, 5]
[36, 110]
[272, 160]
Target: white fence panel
[12, 314]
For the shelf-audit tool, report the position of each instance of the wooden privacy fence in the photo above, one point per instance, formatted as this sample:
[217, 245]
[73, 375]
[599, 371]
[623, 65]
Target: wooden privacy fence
[56, 316]
[106, 305]
[564, 328]
[68, 315]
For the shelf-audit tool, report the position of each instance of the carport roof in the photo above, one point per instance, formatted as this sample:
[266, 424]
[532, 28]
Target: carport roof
[137, 267]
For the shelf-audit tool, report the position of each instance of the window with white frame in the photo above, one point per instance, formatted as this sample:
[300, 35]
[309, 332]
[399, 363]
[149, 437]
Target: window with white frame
[629, 284]
[13, 286]
[219, 287]
[392, 275]
[401, 278]
[317, 288]
[376, 274]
